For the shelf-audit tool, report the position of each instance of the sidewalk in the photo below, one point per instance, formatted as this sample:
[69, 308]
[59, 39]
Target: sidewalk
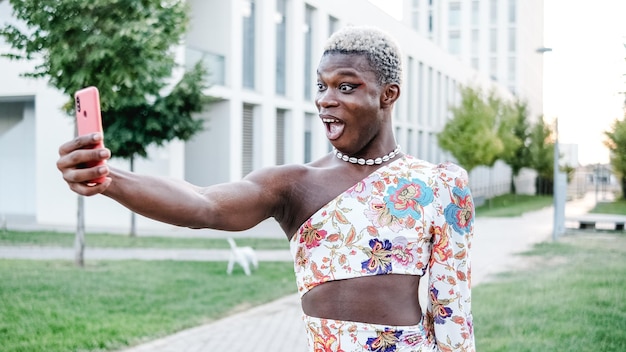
[277, 326]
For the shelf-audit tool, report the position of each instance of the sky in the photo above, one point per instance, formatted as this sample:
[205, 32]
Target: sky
[585, 72]
[584, 75]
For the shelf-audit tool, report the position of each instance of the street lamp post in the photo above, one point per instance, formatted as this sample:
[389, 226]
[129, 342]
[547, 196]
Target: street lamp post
[559, 188]
[559, 179]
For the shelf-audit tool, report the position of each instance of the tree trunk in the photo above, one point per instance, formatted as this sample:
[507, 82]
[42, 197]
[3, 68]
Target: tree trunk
[624, 187]
[133, 216]
[79, 239]
[513, 189]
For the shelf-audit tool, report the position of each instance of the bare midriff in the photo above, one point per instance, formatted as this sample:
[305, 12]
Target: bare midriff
[381, 299]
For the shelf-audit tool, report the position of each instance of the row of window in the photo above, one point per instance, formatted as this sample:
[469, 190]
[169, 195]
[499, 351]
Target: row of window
[454, 13]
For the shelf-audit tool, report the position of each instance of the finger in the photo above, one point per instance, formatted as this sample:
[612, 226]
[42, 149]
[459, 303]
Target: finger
[84, 175]
[89, 189]
[79, 158]
[80, 142]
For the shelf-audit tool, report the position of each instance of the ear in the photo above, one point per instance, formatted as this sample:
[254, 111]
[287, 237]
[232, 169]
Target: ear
[391, 93]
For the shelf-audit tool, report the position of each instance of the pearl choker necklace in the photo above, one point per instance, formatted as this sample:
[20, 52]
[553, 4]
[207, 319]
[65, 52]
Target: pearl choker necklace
[362, 161]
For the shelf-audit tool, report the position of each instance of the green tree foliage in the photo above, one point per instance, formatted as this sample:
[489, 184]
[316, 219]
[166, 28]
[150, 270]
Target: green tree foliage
[504, 122]
[517, 154]
[471, 136]
[542, 155]
[125, 48]
[616, 142]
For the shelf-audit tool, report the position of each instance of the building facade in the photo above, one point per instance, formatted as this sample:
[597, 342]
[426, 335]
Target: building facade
[262, 56]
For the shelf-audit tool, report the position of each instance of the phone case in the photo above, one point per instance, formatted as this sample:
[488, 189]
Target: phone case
[89, 119]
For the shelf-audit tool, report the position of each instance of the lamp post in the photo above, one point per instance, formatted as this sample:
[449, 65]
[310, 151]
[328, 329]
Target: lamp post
[559, 180]
[559, 188]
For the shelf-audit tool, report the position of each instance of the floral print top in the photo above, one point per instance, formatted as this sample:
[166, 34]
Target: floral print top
[408, 217]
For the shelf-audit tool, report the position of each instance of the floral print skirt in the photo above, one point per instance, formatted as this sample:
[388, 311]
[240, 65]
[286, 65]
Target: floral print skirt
[329, 335]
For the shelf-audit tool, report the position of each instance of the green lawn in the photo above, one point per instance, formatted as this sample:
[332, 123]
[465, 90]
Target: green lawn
[617, 207]
[53, 306]
[49, 238]
[509, 205]
[572, 297]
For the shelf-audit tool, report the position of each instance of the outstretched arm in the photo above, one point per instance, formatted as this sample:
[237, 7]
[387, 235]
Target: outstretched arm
[230, 206]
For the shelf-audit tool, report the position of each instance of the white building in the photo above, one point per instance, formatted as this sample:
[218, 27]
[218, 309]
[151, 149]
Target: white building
[263, 55]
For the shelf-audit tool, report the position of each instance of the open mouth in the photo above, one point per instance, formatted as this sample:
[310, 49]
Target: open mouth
[334, 127]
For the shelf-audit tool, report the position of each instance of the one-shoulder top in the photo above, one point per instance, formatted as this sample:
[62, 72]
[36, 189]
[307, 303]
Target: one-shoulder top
[408, 217]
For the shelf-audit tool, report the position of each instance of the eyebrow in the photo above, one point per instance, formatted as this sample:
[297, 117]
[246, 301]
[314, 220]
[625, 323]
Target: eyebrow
[342, 72]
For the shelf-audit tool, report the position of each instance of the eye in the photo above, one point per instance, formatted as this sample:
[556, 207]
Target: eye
[345, 87]
[320, 87]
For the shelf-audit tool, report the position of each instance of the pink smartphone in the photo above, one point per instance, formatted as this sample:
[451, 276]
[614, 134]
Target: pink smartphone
[89, 119]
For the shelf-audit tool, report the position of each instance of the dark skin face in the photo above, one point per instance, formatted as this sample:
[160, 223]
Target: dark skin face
[356, 111]
[355, 108]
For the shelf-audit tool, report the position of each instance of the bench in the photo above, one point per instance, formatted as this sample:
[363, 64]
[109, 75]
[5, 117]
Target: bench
[612, 222]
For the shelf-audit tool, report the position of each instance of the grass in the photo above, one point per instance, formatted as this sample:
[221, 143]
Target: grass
[617, 207]
[573, 293]
[53, 306]
[572, 297]
[49, 238]
[510, 205]
[501, 206]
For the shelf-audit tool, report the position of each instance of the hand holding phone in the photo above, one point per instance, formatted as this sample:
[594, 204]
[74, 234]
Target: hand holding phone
[89, 120]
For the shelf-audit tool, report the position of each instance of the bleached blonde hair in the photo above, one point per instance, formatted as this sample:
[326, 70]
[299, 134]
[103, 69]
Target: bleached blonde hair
[380, 48]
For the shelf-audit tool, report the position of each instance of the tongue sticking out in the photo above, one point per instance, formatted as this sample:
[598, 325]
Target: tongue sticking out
[334, 130]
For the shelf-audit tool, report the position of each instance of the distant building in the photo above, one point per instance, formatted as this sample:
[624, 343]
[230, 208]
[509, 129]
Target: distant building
[263, 56]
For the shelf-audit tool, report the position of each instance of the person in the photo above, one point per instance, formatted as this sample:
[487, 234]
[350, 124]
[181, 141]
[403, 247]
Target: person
[365, 222]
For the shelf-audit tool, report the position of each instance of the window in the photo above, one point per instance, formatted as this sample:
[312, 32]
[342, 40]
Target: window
[493, 41]
[454, 14]
[308, 52]
[493, 68]
[247, 138]
[493, 12]
[280, 136]
[431, 24]
[281, 46]
[430, 99]
[512, 76]
[512, 11]
[333, 25]
[475, 42]
[412, 87]
[475, 63]
[512, 40]
[308, 137]
[415, 19]
[412, 147]
[475, 13]
[420, 92]
[248, 14]
[454, 42]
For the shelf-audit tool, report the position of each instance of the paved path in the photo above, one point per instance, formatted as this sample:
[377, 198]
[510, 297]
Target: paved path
[276, 326]
[52, 253]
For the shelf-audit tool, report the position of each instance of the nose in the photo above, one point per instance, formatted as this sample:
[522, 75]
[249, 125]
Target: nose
[325, 98]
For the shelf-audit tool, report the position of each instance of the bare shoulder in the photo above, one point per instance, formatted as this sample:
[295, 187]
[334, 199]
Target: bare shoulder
[297, 190]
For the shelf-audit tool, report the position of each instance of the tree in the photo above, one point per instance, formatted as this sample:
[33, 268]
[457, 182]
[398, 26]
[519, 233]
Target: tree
[503, 122]
[541, 150]
[126, 49]
[616, 142]
[470, 135]
[517, 154]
